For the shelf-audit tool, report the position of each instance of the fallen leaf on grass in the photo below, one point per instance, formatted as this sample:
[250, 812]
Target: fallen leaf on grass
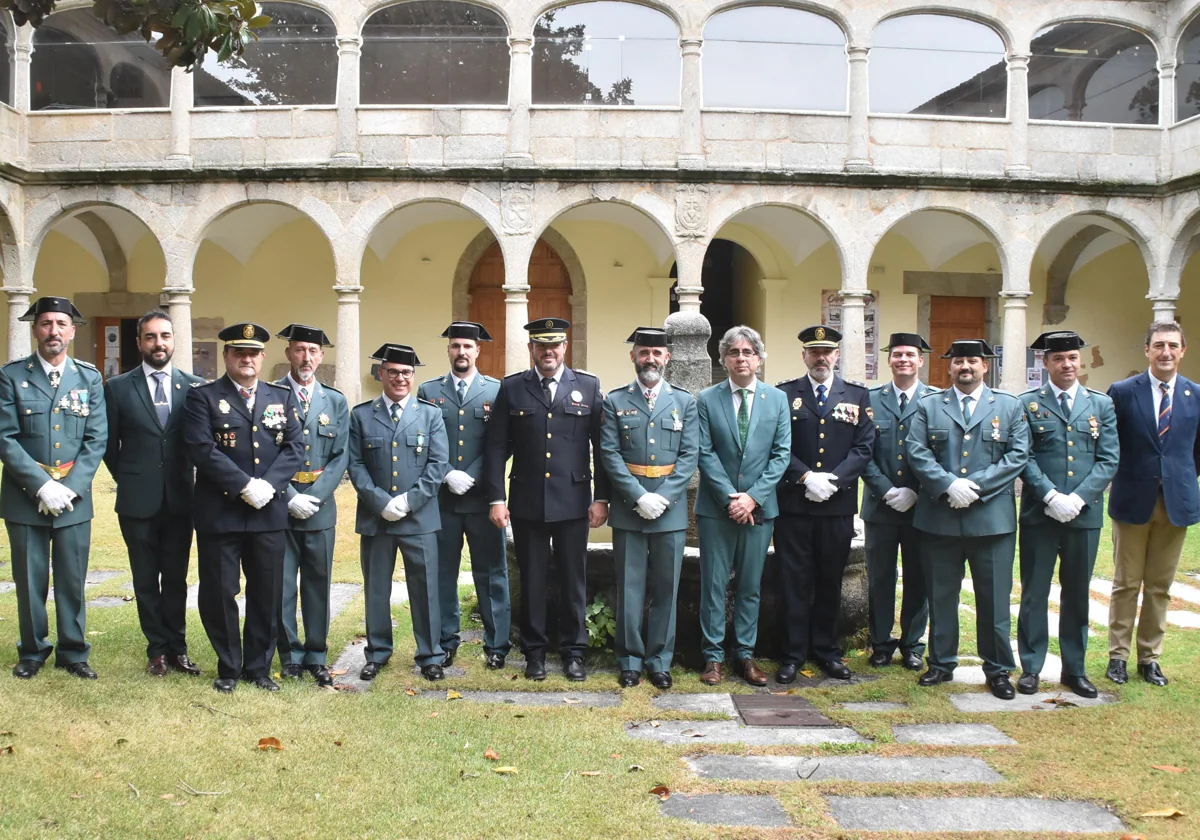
[463, 774]
[411, 692]
[1168, 768]
[514, 677]
[1061, 702]
[633, 768]
[128, 597]
[338, 672]
[77, 796]
[433, 714]
[122, 742]
[617, 756]
[662, 792]
[337, 743]
[7, 750]
[345, 687]
[518, 715]
[167, 796]
[1133, 837]
[451, 694]
[7, 734]
[491, 755]
[808, 673]
[589, 773]
[1165, 812]
[98, 775]
[571, 701]
[505, 771]
[692, 733]
[95, 632]
[269, 744]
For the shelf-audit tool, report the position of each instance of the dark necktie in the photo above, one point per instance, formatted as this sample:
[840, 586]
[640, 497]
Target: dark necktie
[650, 397]
[1065, 402]
[247, 396]
[395, 412]
[1164, 412]
[966, 409]
[743, 417]
[903, 401]
[546, 380]
[462, 391]
[161, 407]
[55, 377]
[821, 400]
[304, 400]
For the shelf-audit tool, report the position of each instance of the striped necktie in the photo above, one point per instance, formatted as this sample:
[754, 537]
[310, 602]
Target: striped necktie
[304, 400]
[1164, 412]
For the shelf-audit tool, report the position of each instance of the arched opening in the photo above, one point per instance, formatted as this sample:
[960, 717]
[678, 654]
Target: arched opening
[6, 60]
[1107, 74]
[1187, 72]
[733, 295]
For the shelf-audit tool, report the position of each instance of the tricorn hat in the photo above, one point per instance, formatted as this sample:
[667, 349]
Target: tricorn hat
[467, 329]
[52, 304]
[649, 337]
[1059, 341]
[908, 340]
[970, 347]
[397, 354]
[299, 332]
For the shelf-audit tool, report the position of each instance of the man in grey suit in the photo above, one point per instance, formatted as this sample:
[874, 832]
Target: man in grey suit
[312, 510]
[398, 460]
[149, 462]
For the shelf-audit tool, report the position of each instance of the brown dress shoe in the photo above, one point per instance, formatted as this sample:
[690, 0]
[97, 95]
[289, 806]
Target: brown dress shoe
[752, 673]
[711, 675]
[157, 666]
[181, 662]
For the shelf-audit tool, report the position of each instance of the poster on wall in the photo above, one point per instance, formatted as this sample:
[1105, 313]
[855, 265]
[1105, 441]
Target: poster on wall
[831, 314]
[204, 359]
[1033, 373]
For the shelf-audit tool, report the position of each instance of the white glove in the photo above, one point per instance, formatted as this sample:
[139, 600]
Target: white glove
[900, 499]
[302, 506]
[819, 487]
[257, 493]
[458, 482]
[1079, 503]
[1063, 508]
[56, 497]
[397, 508]
[652, 506]
[962, 493]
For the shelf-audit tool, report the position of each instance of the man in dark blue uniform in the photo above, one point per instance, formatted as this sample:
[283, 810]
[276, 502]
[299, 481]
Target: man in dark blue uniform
[549, 418]
[832, 439]
[244, 437]
[466, 397]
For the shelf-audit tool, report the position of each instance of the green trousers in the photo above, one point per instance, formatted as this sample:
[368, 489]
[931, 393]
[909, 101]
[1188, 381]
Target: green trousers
[34, 551]
[883, 541]
[647, 580]
[727, 547]
[1041, 546]
[991, 561]
[378, 557]
[307, 555]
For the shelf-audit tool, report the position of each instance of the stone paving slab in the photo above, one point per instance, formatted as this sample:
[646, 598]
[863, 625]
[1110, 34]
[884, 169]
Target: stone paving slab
[590, 699]
[884, 813]
[874, 706]
[94, 578]
[352, 658]
[819, 680]
[452, 671]
[979, 703]
[684, 732]
[399, 592]
[727, 809]
[720, 704]
[108, 601]
[7, 586]
[952, 735]
[857, 768]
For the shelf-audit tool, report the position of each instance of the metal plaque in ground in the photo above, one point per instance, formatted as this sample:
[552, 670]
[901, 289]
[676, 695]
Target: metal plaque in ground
[776, 710]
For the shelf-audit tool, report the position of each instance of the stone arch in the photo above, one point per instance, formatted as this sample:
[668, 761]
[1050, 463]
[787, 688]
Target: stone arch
[1079, 16]
[990, 21]
[647, 204]
[895, 213]
[1132, 222]
[825, 11]
[551, 5]
[43, 214]
[361, 16]
[816, 210]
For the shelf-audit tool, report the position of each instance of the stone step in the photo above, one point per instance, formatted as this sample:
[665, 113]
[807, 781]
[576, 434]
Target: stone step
[352, 658]
[973, 674]
[978, 703]
[698, 732]
[952, 735]
[1098, 613]
[887, 813]
[857, 768]
[720, 704]
[727, 809]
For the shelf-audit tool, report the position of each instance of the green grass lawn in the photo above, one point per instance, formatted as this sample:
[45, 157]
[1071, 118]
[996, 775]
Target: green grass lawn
[107, 759]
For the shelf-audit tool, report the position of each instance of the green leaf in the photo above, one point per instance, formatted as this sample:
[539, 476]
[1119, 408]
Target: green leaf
[259, 22]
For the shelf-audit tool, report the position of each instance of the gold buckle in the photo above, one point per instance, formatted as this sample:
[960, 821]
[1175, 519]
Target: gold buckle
[306, 477]
[57, 472]
[651, 471]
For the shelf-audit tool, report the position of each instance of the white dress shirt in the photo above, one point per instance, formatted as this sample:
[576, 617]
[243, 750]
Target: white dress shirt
[737, 398]
[1155, 391]
[296, 386]
[911, 393]
[1071, 393]
[47, 367]
[152, 383]
[653, 392]
[455, 379]
[388, 403]
[555, 379]
[974, 395]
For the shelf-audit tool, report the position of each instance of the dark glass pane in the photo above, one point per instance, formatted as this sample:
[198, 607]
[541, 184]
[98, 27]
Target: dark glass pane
[938, 64]
[435, 53]
[6, 64]
[776, 58]
[78, 62]
[605, 54]
[1187, 73]
[1105, 73]
[294, 62]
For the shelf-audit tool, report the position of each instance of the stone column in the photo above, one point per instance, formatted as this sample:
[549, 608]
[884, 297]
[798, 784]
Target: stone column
[18, 331]
[345, 150]
[179, 307]
[1018, 115]
[854, 335]
[347, 372]
[1166, 115]
[520, 96]
[660, 298]
[1163, 307]
[516, 316]
[22, 55]
[858, 157]
[691, 132]
[1013, 377]
[183, 98]
[689, 270]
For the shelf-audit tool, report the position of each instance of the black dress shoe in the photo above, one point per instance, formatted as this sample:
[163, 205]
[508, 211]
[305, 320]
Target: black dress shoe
[265, 683]
[292, 672]
[934, 676]
[181, 662]
[321, 674]
[225, 685]
[629, 679]
[835, 669]
[1028, 683]
[1001, 687]
[1080, 685]
[881, 657]
[369, 671]
[85, 672]
[661, 679]
[573, 669]
[1117, 672]
[535, 669]
[26, 669]
[912, 661]
[433, 673]
[786, 673]
[450, 654]
[1150, 672]
[495, 661]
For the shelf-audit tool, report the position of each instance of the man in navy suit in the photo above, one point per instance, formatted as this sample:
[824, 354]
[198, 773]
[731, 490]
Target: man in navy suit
[1154, 498]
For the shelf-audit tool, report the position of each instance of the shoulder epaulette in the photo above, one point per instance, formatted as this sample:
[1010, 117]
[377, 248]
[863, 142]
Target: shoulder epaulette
[88, 365]
[367, 402]
[933, 389]
[675, 387]
[487, 378]
[586, 373]
[331, 388]
[783, 382]
[625, 387]
[855, 382]
[428, 402]
[1094, 391]
[518, 373]
[929, 394]
[879, 387]
[204, 383]
[277, 385]
[12, 362]
[431, 381]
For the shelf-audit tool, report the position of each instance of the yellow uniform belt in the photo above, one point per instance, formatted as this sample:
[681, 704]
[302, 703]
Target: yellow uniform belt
[652, 471]
[58, 472]
[306, 477]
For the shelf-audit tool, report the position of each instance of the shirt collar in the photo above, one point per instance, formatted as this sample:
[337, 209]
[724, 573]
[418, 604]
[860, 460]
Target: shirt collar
[253, 389]
[814, 383]
[733, 386]
[655, 391]
[960, 396]
[911, 392]
[1154, 381]
[470, 380]
[47, 367]
[1071, 392]
[387, 403]
[557, 377]
[296, 386]
[149, 371]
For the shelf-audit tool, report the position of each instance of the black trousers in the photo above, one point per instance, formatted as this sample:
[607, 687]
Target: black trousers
[534, 542]
[158, 557]
[812, 552]
[223, 559]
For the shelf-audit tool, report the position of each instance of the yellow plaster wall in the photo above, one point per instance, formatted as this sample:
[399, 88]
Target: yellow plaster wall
[146, 267]
[801, 307]
[1187, 311]
[64, 269]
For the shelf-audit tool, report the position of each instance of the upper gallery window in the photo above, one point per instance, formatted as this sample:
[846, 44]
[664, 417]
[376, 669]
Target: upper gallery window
[1103, 73]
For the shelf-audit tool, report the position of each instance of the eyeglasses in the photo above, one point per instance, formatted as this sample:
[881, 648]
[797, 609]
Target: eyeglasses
[392, 373]
[745, 353]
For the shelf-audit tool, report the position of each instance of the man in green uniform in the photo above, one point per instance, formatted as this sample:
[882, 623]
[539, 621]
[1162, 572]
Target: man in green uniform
[1074, 458]
[312, 509]
[53, 430]
[967, 445]
[650, 447]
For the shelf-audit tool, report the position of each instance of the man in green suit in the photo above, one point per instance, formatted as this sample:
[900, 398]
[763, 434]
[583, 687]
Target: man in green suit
[967, 445]
[53, 428]
[1074, 458]
[650, 448]
[149, 462]
[312, 509]
[745, 447]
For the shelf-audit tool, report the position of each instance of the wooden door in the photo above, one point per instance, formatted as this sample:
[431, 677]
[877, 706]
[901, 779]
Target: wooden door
[951, 318]
[549, 297]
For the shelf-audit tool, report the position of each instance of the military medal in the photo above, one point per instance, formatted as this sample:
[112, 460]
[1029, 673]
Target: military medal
[323, 419]
[64, 403]
[995, 428]
[871, 414]
[576, 397]
[678, 422]
[420, 440]
[223, 407]
[279, 438]
[1094, 426]
[273, 416]
[796, 403]
[1033, 408]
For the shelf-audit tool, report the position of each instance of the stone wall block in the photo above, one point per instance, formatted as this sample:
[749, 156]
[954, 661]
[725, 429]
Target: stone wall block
[386, 151]
[736, 154]
[812, 128]
[970, 134]
[477, 148]
[424, 151]
[484, 121]
[799, 157]
[306, 123]
[1133, 168]
[642, 125]
[275, 123]
[254, 151]
[447, 121]
[141, 126]
[1136, 141]
[1069, 136]
[299, 149]
[217, 152]
[907, 158]
[566, 122]
[65, 127]
[771, 127]
[887, 131]
[954, 161]
[597, 151]
[557, 151]
[414, 122]
[216, 125]
[986, 162]
[727, 126]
